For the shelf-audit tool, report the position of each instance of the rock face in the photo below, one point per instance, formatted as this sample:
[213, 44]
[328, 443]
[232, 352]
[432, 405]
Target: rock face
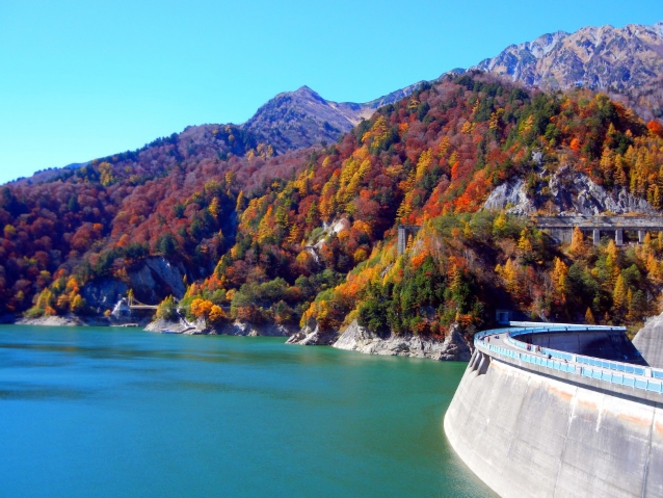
[620, 60]
[302, 118]
[311, 335]
[52, 321]
[181, 326]
[592, 57]
[236, 328]
[512, 195]
[649, 341]
[252, 330]
[564, 193]
[64, 321]
[453, 348]
[155, 279]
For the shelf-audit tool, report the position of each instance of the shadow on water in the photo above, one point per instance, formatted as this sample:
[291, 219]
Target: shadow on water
[43, 392]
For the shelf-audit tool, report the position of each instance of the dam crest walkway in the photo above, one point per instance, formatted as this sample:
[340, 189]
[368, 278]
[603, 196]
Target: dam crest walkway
[623, 377]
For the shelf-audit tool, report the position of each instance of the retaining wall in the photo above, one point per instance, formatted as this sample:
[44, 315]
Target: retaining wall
[526, 433]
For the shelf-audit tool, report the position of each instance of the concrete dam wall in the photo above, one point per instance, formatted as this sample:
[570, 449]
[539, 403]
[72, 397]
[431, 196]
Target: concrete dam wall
[550, 423]
[649, 341]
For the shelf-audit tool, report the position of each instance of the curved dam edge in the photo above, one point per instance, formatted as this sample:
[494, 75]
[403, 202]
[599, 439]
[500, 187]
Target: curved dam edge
[526, 434]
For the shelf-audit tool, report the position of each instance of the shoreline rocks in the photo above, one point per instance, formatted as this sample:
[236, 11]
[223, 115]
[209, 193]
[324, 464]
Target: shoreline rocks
[453, 348]
[64, 321]
[199, 327]
[354, 338]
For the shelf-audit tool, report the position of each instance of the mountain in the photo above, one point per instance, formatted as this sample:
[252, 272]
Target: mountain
[616, 60]
[267, 229]
[294, 120]
[289, 121]
[320, 249]
[626, 62]
[309, 236]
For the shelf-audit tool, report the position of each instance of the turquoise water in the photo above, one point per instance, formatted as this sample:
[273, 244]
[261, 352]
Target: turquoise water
[120, 412]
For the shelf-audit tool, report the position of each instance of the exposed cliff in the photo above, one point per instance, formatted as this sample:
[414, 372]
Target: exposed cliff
[596, 57]
[312, 335]
[620, 60]
[236, 328]
[357, 338]
[154, 279]
[565, 192]
[453, 348]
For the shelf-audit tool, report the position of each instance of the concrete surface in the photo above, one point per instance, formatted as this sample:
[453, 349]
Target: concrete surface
[526, 430]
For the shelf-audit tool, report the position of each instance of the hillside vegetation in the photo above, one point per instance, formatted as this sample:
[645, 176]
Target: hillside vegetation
[310, 235]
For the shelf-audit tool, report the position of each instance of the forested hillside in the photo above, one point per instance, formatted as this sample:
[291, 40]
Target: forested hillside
[322, 246]
[311, 234]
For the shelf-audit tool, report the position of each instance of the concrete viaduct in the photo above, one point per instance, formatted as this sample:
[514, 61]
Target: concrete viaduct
[538, 414]
[561, 227]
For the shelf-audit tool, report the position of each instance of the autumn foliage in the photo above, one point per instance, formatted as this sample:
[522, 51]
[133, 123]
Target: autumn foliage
[311, 234]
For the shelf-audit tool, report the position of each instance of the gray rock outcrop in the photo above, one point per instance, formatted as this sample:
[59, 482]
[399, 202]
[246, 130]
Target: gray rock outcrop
[453, 348]
[65, 321]
[52, 321]
[154, 279]
[236, 328]
[513, 195]
[253, 330]
[312, 335]
[649, 341]
[567, 193]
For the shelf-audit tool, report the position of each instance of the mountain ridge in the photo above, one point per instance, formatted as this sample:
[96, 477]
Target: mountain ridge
[627, 63]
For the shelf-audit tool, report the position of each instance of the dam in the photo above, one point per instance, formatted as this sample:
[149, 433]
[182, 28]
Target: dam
[551, 410]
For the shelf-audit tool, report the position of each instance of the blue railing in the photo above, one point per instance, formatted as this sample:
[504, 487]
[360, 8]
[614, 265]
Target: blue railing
[613, 372]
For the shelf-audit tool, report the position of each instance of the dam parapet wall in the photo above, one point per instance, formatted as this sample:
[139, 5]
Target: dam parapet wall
[536, 421]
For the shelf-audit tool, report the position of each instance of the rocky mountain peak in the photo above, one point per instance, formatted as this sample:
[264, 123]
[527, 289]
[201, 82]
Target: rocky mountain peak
[293, 120]
[596, 57]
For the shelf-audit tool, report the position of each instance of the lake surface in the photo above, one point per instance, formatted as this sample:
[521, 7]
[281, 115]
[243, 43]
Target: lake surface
[121, 412]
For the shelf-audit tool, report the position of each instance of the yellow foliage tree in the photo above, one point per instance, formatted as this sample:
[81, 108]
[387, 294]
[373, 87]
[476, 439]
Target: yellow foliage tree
[620, 293]
[213, 208]
[559, 273]
[525, 243]
[216, 315]
[577, 242]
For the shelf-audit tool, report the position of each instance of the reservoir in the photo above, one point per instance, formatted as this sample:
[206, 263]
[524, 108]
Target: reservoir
[109, 412]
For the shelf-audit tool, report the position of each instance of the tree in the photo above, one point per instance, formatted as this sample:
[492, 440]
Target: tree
[216, 315]
[167, 245]
[201, 308]
[166, 309]
[577, 242]
[619, 294]
[559, 274]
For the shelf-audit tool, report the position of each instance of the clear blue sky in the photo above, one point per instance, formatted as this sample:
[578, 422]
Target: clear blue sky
[85, 79]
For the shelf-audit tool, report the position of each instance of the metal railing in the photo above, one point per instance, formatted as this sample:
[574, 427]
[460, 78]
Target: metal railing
[612, 372]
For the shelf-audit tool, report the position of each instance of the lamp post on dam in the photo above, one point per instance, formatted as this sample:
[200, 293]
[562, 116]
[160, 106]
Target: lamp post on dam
[561, 227]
